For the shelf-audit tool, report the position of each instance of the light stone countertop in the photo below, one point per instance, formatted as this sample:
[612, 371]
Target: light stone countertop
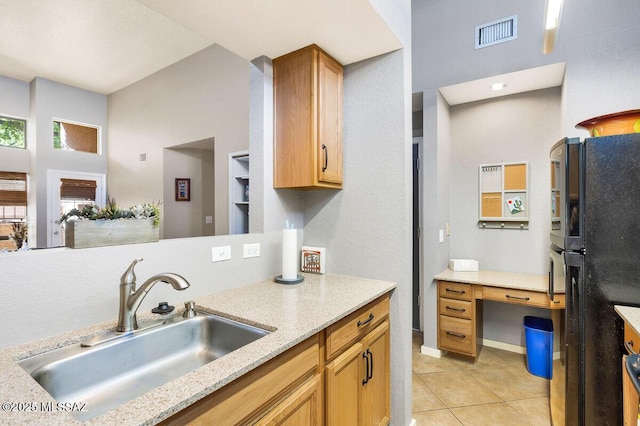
[295, 311]
[630, 315]
[518, 281]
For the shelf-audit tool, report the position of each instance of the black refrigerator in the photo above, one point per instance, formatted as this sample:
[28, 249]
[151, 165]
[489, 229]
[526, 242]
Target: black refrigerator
[595, 262]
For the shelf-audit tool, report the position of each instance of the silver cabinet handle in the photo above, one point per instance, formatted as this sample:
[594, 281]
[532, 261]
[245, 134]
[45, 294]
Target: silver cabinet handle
[455, 309]
[460, 335]
[452, 290]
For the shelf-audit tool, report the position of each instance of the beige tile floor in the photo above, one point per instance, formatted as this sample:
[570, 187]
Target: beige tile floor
[496, 390]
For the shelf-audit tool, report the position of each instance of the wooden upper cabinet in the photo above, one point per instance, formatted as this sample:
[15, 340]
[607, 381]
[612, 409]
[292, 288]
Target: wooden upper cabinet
[308, 120]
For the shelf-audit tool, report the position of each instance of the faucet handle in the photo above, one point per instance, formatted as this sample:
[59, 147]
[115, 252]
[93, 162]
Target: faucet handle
[189, 309]
[129, 276]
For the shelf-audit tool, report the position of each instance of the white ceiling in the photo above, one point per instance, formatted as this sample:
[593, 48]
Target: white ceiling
[515, 82]
[105, 45]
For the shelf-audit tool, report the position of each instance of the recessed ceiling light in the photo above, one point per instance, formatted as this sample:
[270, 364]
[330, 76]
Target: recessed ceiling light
[498, 86]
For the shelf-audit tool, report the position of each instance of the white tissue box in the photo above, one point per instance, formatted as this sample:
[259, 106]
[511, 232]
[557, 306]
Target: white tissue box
[463, 265]
[313, 259]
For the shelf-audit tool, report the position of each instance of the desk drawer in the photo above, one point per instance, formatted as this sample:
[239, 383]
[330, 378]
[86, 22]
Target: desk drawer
[456, 334]
[453, 290]
[456, 308]
[519, 297]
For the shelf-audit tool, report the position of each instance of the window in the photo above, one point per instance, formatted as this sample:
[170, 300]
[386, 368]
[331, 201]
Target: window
[13, 132]
[13, 207]
[75, 137]
[76, 193]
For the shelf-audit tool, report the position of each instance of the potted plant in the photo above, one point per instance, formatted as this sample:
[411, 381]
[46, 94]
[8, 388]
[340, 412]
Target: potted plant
[92, 226]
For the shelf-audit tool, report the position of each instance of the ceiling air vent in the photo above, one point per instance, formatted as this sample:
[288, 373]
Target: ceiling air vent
[497, 32]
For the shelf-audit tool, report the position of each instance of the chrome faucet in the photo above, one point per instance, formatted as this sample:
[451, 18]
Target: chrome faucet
[130, 298]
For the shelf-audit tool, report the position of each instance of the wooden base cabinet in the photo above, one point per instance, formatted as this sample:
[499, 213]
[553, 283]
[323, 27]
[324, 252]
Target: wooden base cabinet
[285, 390]
[460, 319]
[357, 380]
[340, 376]
[630, 398]
[302, 407]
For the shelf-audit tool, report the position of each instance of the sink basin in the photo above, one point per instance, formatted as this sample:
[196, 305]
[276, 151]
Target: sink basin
[119, 368]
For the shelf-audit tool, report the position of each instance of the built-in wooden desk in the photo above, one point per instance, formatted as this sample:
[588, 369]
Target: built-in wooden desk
[460, 296]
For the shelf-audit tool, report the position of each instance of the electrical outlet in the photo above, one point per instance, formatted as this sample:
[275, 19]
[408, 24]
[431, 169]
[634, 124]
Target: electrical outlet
[220, 253]
[251, 250]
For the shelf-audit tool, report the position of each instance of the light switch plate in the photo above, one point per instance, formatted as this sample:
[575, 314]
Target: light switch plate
[220, 253]
[251, 250]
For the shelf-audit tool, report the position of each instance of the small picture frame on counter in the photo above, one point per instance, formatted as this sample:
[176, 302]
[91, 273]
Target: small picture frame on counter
[313, 259]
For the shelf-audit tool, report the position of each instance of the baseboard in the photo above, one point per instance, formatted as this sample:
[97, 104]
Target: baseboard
[511, 348]
[425, 350]
[503, 346]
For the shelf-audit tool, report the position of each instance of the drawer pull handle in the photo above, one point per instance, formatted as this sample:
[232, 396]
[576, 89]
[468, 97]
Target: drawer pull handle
[526, 299]
[367, 321]
[629, 346]
[451, 333]
[456, 309]
[453, 290]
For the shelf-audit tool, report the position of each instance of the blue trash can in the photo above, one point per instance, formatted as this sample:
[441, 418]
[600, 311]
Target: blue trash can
[538, 333]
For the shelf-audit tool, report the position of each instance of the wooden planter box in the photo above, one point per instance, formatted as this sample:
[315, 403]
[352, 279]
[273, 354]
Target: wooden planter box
[98, 233]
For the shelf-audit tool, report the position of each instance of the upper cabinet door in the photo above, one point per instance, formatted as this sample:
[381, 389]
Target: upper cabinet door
[329, 120]
[308, 120]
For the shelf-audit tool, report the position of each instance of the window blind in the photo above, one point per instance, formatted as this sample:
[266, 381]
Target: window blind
[13, 189]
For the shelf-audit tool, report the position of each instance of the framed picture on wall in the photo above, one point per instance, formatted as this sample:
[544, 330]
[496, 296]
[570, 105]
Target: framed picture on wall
[183, 189]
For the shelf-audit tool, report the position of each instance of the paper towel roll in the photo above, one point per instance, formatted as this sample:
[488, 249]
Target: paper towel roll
[289, 254]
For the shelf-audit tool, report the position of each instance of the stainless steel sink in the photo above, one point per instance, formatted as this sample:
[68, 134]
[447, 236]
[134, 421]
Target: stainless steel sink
[120, 368]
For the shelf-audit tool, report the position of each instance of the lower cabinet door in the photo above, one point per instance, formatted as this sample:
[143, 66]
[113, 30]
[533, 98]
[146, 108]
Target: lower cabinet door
[303, 407]
[375, 391]
[344, 377]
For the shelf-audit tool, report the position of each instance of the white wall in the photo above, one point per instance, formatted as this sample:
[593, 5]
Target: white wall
[203, 96]
[52, 100]
[14, 102]
[598, 45]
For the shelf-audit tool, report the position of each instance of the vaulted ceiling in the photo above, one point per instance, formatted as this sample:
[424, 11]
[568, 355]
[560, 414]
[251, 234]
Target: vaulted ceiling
[105, 45]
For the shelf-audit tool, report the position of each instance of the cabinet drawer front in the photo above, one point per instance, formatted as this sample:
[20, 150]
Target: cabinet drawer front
[248, 395]
[356, 324]
[631, 339]
[456, 308]
[519, 297]
[455, 334]
[453, 290]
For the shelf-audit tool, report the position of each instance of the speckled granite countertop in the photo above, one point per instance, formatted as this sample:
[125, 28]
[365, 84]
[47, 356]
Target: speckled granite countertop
[513, 280]
[630, 315]
[295, 311]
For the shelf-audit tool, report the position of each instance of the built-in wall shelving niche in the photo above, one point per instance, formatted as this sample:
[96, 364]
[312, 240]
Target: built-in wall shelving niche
[503, 196]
